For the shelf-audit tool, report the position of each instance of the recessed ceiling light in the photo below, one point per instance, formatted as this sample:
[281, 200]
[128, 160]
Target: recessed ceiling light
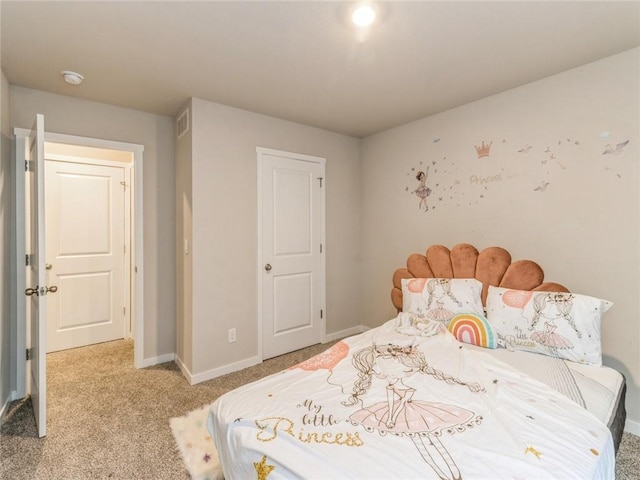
[72, 77]
[363, 15]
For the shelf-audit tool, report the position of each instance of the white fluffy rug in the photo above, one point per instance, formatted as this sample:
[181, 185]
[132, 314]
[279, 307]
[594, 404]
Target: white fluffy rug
[196, 446]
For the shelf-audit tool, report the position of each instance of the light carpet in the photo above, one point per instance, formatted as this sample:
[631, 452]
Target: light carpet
[196, 445]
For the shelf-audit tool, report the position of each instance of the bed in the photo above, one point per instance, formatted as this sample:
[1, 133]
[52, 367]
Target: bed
[487, 371]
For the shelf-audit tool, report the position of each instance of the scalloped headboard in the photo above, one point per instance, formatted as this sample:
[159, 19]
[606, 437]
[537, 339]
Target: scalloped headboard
[492, 266]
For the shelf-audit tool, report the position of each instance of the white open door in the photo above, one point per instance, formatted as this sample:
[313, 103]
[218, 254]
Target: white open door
[85, 236]
[292, 285]
[38, 288]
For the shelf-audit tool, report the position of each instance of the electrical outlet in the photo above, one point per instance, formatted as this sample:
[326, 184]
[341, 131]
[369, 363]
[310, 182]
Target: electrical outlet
[232, 335]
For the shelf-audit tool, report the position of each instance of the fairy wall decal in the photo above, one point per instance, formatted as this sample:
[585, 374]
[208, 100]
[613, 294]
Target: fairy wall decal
[422, 192]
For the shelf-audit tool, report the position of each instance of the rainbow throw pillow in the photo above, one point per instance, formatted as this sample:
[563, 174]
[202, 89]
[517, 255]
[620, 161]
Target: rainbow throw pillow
[474, 329]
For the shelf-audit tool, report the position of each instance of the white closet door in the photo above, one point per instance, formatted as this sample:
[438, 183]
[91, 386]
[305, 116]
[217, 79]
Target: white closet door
[292, 270]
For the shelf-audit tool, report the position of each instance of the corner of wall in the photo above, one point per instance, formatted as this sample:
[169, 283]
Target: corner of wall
[184, 237]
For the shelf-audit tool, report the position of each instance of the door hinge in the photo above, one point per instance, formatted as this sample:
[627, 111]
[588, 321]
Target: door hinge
[29, 353]
[320, 178]
[26, 260]
[124, 311]
[321, 313]
[320, 248]
[28, 165]
[124, 185]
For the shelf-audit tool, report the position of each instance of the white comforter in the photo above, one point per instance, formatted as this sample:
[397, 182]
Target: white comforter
[386, 404]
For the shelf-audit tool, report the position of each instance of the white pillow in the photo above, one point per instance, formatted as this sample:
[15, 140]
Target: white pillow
[563, 325]
[441, 299]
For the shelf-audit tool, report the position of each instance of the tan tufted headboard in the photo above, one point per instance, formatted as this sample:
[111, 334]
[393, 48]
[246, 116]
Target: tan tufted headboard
[492, 266]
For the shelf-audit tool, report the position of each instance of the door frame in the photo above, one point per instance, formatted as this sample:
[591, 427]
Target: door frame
[137, 243]
[260, 257]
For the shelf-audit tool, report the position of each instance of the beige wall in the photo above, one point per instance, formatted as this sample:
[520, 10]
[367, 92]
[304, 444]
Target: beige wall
[225, 225]
[582, 222]
[7, 327]
[89, 119]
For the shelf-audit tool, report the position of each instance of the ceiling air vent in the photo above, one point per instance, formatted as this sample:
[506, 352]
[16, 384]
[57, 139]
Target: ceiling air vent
[182, 124]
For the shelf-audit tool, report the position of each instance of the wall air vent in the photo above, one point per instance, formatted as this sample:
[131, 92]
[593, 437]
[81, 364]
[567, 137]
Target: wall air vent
[182, 123]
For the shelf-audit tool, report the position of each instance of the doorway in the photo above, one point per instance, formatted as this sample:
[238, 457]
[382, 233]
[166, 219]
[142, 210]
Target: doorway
[136, 257]
[88, 195]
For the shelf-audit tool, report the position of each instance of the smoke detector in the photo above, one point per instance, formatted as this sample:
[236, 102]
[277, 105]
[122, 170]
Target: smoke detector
[72, 78]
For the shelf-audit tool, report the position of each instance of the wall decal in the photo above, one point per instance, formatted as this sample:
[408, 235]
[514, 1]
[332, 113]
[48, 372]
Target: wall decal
[542, 187]
[532, 165]
[609, 150]
[476, 180]
[422, 192]
[525, 149]
[483, 149]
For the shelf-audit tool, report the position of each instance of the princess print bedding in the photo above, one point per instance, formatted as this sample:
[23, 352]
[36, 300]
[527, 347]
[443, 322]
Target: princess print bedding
[389, 404]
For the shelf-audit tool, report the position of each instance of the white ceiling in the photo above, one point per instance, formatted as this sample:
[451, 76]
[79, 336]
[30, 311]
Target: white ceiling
[302, 61]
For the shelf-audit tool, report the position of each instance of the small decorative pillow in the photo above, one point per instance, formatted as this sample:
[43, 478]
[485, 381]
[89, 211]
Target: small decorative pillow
[410, 324]
[441, 299]
[563, 325]
[474, 329]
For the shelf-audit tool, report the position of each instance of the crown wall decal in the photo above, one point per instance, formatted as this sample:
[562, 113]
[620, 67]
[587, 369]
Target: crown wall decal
[483, 149]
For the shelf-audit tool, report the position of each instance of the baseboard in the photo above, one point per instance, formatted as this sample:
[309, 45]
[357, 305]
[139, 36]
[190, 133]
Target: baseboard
[330, 337]
[183, 368]
[215, 372]
[5, 405]
[632, 427]
[250, 362]
[150, 362]
[194, 378]
[5, 408]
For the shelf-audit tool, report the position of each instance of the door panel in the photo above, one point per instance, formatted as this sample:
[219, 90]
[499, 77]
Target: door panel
[291, 212]
[86, 253]
[290, 315]
[81, 307]
[83, 200]
[37, 276]
[293, 282]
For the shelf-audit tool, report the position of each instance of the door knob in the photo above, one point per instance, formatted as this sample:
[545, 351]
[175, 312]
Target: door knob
[267, 267]
[40, 290]
[31, 291]
[48, 266]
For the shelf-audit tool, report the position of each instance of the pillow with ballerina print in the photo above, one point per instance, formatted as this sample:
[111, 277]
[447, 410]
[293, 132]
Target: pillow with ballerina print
[563, 325]
[441, 299]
